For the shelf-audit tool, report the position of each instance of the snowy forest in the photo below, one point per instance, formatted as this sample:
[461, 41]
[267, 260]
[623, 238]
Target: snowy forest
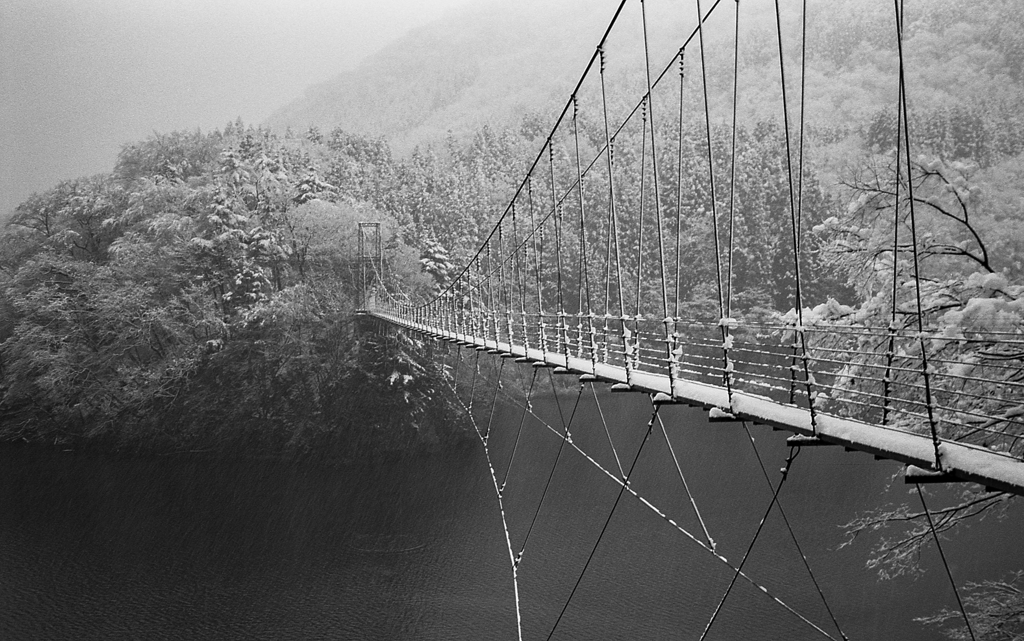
[200, 295]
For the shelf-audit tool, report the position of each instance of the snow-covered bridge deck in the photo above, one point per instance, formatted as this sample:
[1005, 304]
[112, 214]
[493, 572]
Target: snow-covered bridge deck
[959, 461]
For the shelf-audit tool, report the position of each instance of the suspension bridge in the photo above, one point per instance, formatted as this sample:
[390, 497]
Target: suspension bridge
[587, 273]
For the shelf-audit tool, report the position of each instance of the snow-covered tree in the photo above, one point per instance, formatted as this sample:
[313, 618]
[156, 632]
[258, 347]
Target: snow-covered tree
[934, 343]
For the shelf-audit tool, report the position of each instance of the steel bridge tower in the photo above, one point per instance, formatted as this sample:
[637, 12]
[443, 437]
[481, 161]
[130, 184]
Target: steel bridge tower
[370, 259]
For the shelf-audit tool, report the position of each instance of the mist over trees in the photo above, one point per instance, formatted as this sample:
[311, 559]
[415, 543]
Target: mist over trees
[201, 293]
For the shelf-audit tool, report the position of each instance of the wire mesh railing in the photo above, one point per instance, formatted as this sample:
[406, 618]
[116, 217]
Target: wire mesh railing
[973, 403]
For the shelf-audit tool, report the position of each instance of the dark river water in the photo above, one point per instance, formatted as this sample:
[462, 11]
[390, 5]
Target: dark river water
[114, 547]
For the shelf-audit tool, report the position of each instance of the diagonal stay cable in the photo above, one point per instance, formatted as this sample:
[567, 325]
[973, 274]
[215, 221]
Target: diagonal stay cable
[476, 372]
[775, 498]
[561, 445]
[494, 399]
[949, 573]
[792, 534]
[686, 485]
[679, 528]
[607, 521]
[607, 432]
[519, 432]
[504, 521]
[458, 364]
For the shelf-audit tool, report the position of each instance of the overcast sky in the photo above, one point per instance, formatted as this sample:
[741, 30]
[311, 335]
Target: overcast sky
[78, 78]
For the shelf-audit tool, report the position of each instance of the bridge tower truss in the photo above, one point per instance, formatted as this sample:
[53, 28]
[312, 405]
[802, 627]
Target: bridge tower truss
[371, 260]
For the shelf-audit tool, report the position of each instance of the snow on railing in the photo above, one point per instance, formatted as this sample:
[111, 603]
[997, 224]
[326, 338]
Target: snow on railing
[855, 376]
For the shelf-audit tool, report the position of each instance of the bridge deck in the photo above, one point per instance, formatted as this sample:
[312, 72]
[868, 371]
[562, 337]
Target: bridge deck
[964, 462]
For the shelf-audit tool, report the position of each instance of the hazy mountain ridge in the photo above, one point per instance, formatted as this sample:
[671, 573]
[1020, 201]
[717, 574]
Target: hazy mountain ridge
[484, 65]
[490, 64]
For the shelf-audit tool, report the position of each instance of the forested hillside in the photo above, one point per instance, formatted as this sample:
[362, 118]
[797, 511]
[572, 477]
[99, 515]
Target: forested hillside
[490, 63]
[487, 64]
[202, 293]
[203, 279]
